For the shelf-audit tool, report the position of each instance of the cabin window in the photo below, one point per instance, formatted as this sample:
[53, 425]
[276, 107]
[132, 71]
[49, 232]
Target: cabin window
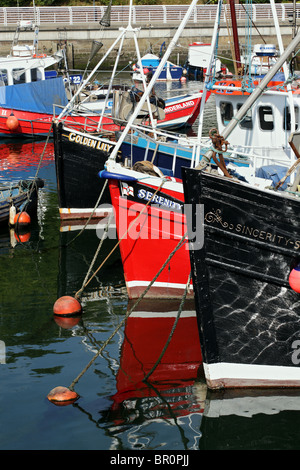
[246, 122]
[287, 118]
[226, 110]
[18, 76]
[36, 75]
[266, 118]
[3, 77]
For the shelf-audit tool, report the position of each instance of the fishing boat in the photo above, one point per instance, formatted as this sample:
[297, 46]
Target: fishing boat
[246, 307]
[71, 150]
[31, 95]
[25, 64]
[197, 62]
[149, 64]
[245, 272]
[154, 196]
[149, 217]
[19, 196]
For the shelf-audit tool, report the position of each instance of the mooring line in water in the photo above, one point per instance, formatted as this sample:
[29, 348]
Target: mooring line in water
[118, 243]
[172, 330]
[95, 256]
[91, 215]
[39, 165]
[71, 387]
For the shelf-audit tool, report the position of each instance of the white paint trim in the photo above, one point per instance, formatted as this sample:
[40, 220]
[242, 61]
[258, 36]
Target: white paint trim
[167, 285]
[233, 371]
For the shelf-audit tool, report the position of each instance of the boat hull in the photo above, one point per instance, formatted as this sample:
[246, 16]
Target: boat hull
[148, 235]
[24, 197]
[248, 316]
[78, 159]
[178, 113]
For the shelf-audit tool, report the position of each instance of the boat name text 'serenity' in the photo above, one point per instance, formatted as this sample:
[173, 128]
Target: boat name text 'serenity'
[88, 142]
[253, 232]
[160, 200]
[145, 195]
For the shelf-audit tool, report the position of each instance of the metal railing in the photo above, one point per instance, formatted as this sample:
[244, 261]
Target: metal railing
[144, 15]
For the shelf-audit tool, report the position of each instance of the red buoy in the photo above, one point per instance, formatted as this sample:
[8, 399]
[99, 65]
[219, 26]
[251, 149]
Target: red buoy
[22, 218]
[67, 305]
[22, 237]
[294, 279]
[12, 123]
[62, 396]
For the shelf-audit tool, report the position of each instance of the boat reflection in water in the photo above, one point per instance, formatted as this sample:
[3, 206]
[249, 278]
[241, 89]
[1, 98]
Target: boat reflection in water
[172, 408]
[158, 384]
[24, 155]
[250, 419]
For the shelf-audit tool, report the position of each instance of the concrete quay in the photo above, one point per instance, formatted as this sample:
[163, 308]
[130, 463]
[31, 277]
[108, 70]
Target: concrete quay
[79, 37]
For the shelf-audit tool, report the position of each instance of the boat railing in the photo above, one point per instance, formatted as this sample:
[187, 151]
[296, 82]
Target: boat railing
[142, 14]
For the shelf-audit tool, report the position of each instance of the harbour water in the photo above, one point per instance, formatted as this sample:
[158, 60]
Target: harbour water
[133, 396]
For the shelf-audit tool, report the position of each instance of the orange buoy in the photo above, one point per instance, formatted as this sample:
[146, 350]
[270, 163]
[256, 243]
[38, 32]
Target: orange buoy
[22, 237]
[66, 322]
[67, 306]
[294, 279]
[12, 123]
[22, 218]
[62, 396]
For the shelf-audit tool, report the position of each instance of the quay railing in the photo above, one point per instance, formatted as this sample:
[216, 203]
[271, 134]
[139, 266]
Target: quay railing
[144, 15]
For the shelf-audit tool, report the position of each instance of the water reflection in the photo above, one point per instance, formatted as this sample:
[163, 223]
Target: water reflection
[251, 420]
[23, 156]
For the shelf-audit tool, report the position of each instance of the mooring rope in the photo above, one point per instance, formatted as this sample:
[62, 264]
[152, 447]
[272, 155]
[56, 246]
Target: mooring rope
[38, 167]
[91, 215]
[96, 254]
[128, 313]
[118, 243]
[172, 331]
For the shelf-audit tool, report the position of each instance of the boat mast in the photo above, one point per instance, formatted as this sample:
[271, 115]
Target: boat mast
[235, 37]
[285, 67]
[207, 79]
[156, 74]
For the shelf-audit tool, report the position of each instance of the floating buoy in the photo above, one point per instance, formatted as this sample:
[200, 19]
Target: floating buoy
[22, 237]
[62, 396]
[145, 70]
[294, 279]
[22, 218]
[67, 306]
[12, 123]
[66, 322]
[183, 79]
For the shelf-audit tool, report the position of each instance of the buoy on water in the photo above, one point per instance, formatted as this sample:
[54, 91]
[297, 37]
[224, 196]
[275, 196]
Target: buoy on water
[62, 396]
[294, 279]
[22, 219]
[67, 306]
[12, 123]
[22, 237]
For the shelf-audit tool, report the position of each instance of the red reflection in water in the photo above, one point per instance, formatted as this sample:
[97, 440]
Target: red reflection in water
[25, 155]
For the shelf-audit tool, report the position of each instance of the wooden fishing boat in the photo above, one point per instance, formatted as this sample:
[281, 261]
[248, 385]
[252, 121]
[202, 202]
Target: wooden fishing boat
[23, 195]
[247, 311]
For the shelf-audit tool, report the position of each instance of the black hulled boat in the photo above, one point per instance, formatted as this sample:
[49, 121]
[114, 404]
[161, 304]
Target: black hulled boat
[248, 315]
